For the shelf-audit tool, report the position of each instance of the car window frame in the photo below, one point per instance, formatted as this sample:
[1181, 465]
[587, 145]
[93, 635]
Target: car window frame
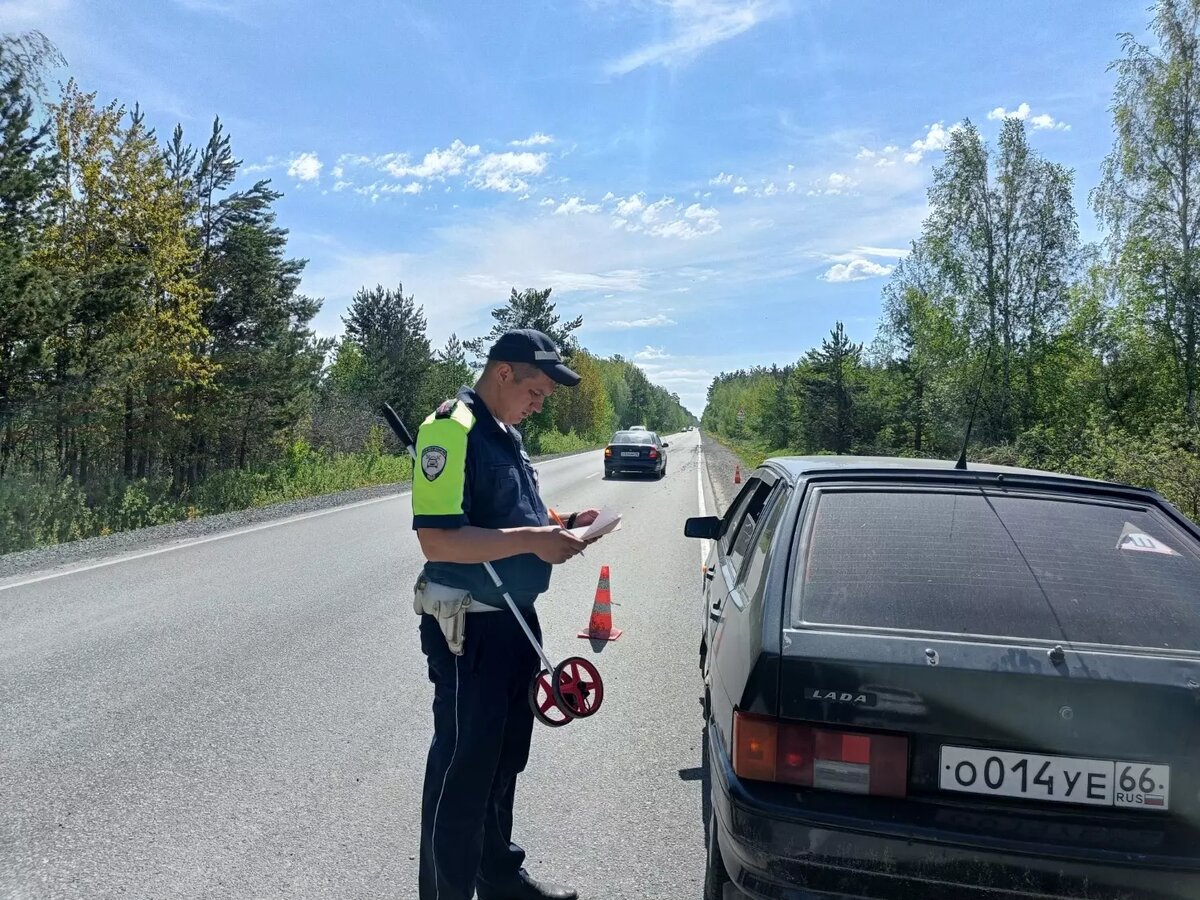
[733, 514]
[772, 515]
[758, 481]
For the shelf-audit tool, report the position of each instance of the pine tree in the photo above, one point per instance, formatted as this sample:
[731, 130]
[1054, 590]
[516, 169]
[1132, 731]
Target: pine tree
[531, 308]
[831, 385]
[28, 313]
[389, 330]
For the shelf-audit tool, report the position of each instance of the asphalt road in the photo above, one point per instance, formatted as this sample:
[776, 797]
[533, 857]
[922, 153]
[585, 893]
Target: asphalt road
[247, 715]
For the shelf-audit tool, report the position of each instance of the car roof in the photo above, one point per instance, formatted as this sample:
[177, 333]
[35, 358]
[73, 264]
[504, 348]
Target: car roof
[867, 468]
[800, 466]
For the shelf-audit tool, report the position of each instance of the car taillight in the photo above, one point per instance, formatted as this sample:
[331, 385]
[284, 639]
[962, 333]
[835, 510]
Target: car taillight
[653, 453]
[608, 451]
[766, 749]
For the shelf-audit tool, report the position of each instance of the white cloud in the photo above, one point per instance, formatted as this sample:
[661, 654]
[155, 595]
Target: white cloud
[936, 139]
[342, 185]
[890, 148]
[697, 221]
[884, 163]
[1046, 121]
[338, 172]
[1021, 112]
[575, 206]
[625, 280]
[437, 163]
[631, 206]
[659, 375]
[414, 188]
[856, 270]
[305, 167]
[837, 183]
[652, 322]
[547, 201]
[506, 172]
[791, 188]
[723, 178]
[652, 353]
[695, 26]
[537, 139]
[770, 190]
[270, 163]
[895, 252]
[741, 189]
[864, 153]
[665, 217]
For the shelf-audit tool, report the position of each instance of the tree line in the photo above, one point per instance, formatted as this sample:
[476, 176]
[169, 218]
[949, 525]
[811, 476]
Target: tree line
[1073, 357]
[157, 357]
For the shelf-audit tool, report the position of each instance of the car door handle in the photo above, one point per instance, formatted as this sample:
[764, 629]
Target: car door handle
[710, 573]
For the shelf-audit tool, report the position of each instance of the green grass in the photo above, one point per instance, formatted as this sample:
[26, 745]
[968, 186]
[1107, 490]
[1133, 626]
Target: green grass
[749, 453]
[549, 443]
[35, 514]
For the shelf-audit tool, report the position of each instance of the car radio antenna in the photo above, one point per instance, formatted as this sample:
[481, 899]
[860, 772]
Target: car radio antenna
[962, 459]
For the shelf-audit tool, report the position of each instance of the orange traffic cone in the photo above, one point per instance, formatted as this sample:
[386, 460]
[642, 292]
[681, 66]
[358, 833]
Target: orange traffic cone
[737, 474]
[600, 627]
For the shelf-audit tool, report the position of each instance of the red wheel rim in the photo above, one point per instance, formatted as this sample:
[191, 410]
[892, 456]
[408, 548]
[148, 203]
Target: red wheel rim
[543, 702]
[578, 687]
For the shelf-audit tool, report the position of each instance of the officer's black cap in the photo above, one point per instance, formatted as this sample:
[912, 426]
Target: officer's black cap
[525, 345]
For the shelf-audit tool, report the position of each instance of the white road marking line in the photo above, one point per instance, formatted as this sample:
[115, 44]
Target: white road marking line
[204, 540]
[594, 475]
[700, 494]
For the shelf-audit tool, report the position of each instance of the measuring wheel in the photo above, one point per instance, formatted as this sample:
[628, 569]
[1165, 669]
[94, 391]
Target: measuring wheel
[544, 703]
[578, 689]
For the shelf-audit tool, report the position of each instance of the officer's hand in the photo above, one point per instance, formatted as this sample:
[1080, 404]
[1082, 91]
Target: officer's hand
[554, 545]
[586, 517]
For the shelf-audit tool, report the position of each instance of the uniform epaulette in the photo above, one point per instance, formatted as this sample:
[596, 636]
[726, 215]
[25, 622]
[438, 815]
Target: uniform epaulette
[455, 410]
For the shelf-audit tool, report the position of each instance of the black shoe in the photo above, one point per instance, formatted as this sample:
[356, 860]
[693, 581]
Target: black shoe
[527, 889]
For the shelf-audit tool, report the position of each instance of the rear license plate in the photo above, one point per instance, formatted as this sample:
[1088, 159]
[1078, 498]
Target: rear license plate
[630, 453]
[1059, 779]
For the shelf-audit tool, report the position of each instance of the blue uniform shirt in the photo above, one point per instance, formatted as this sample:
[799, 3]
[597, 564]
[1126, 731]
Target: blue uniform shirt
[471, 470]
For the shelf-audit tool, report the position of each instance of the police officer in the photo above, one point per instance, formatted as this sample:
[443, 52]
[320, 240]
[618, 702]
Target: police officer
[475, 499]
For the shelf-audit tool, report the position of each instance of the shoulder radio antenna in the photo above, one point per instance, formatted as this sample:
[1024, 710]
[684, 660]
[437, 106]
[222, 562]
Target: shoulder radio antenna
[962, 459]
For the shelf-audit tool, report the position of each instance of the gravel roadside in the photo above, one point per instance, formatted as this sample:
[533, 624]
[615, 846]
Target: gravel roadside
[722, 464]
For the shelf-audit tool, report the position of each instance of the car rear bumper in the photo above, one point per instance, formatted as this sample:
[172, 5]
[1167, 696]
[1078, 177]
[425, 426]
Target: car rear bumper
[777, 853]
[632, 465]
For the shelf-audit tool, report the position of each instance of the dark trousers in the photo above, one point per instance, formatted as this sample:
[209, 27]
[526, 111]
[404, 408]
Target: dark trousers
[482, 725]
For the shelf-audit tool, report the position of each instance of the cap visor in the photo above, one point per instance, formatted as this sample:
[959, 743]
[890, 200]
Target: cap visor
[561, 374]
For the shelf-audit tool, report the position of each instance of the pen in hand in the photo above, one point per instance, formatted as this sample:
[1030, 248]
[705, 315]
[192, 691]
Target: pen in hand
[559, 522]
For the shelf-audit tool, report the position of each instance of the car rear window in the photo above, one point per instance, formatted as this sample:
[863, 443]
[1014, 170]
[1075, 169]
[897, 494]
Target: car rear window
[989, 563]
[633, 437]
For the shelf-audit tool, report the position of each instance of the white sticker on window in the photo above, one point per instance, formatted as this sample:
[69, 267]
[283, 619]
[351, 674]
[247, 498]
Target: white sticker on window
[1139, 541]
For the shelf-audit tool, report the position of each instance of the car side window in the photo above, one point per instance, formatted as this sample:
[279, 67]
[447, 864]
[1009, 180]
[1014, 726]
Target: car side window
[736, 509]
[741, 541]
[753, 576]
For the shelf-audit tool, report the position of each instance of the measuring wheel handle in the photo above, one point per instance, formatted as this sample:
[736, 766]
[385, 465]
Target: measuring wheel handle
[578, 689]
[544, 703]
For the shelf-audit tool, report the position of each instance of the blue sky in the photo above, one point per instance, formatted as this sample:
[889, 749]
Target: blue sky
[710, 183]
